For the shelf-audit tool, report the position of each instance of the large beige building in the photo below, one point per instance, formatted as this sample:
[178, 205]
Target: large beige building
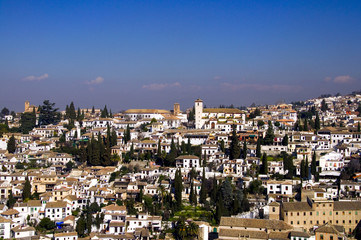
[318, 212]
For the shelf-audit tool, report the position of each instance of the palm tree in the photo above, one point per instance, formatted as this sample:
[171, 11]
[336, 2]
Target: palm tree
[192, 229]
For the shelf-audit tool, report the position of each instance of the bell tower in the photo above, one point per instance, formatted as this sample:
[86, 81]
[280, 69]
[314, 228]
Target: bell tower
[198, 109]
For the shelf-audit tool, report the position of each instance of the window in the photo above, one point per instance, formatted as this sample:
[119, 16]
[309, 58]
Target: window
[321, 236]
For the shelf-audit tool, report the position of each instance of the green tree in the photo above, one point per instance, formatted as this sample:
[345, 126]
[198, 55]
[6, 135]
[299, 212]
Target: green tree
[45, 225]
[203, 192]
[178, 188]
[214, 190]
[317, 122]
[27, 122]
[234, 148]
[306, 168]
[285, 140]
[81, 226]
[244, 150]
[258, 148]
[5, 111]
[313, 164]
[26, 194]
[72, 113]
[48, 114]
[11, 147]
[223, 149]
[171, 156]
[305, 125]
[264, 168]
[104, 113]
[191, 194]
[302, 169]
[11, 200]
[269, 138]
[324, 107]
[227, 194]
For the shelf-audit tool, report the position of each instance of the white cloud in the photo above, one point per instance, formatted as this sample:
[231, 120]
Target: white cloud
[343, 79]
[217, 77]
[160, 86]
[339, 79]
[35, 78]
[96, 81]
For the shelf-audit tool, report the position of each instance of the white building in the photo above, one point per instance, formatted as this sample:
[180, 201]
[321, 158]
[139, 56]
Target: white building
[187, 161]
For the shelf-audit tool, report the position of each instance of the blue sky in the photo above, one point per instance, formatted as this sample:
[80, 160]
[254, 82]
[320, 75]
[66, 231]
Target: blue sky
[151, 54]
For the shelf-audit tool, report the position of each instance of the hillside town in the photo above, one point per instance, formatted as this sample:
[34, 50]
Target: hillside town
[284, 171]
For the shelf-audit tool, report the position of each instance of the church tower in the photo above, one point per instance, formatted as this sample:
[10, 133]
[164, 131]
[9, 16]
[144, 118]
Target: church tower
[27, 105]
[198, 109]
[176, 109]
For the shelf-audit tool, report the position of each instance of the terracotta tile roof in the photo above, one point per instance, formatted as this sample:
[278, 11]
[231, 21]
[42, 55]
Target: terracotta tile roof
[234, 233]
[296, 206]
[255, 223]
[69, 234]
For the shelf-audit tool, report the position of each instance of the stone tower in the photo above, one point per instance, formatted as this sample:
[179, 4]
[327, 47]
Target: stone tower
[27, 105]
[274, 211]
[176, 109]
[198, 109]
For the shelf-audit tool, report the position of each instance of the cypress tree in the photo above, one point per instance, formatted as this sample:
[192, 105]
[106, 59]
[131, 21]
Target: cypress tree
[189, 146]
[81, 226]
[11, 200]
[72, 114]
[313, 164]
[305, 128]
[258, 148]
[317, 122]
[306, 168]
[159, 150]
[234, 148]
[285, 140]
[11, 147]
[203, 192]
[93, 110]
[269, 138]
[358, 127]
[195, 196]
[244, 150]
[26, 194]
[127, 136]
[178, 187]
[214, 190]
[222, 146]
[191, 194]
[205, 159]
[264, 164]
[114, 138]
[66, 112]
[302, 169]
